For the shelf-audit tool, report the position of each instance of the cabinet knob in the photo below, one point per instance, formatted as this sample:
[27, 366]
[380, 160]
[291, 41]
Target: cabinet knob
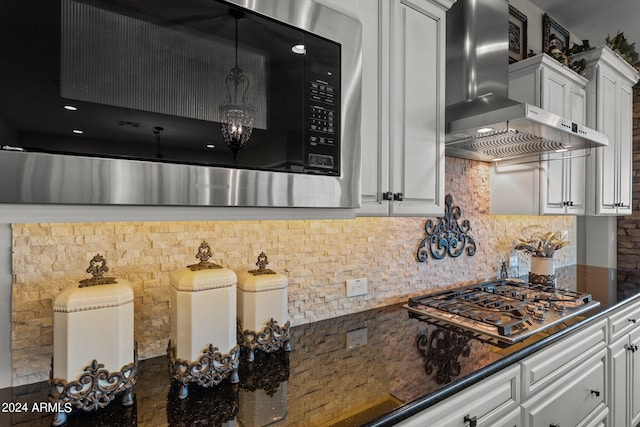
[595, 392]
[473, 421]
[571, 203]
[398, 196]
[632, 320]
[387, 196]
[632, 348]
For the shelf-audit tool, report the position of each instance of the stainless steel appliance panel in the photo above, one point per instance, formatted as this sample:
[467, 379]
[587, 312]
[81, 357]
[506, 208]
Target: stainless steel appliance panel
[29, 177]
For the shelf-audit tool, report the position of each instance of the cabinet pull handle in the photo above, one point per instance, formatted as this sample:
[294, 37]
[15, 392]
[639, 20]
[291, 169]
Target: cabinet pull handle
[387, 196]
[596, 392]
[632, 320]
[554, 425]
[398, 196]
[632, 348]
[571, 203]
[473, 421]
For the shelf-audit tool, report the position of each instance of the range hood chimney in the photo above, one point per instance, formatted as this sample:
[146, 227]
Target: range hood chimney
[482, 122]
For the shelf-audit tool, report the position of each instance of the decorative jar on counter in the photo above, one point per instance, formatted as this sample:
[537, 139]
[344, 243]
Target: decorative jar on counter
[94, 352]
[263, 316]
[203, 348]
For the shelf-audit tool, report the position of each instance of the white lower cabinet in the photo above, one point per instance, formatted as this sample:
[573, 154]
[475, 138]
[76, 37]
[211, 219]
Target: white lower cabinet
[543, 369]
[591, 378]
[624, 352]
[573, 399]
[493, 402]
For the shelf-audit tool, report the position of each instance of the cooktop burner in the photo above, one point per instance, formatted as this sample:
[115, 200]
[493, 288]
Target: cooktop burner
[509, 310]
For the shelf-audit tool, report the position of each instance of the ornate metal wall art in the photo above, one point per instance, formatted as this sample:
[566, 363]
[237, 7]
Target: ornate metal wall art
[442, 349]
[95, 388]
[262, 263]
[447, 236]
[272, 338]
[97, 268]
[209, 370]
[204, 253]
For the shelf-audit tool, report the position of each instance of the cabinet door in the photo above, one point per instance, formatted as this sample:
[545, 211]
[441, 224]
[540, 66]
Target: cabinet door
[576, 168]
[633, 378]
[575, 397]
[563, 188]
[618, 382]
[374, 149]
[625, 149]
[553, 189]
[492, 402]
[607, 169]
[416, 103]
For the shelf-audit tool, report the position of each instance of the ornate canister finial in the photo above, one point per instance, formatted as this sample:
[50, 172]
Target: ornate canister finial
[204, 253]
[98, 267]
[262, 266]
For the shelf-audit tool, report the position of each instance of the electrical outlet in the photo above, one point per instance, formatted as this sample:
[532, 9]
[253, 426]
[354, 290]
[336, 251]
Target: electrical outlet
[356, 287]
[356, 338]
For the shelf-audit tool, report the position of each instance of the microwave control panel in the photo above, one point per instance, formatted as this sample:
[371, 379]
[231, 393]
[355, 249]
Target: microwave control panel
[322, 130]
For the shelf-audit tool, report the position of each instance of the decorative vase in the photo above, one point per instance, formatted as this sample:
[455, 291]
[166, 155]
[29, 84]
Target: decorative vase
[542, 271]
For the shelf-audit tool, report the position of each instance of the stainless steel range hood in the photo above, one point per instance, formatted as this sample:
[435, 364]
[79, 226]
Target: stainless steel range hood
[482, 122]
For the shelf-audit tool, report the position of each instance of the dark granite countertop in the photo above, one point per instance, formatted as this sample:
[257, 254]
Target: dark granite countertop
[323, 382]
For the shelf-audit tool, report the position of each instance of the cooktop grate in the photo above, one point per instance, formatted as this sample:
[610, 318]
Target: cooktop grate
[507, 309]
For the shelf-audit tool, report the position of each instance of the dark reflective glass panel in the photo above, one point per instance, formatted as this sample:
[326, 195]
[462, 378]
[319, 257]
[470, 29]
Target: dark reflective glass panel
[149, 80]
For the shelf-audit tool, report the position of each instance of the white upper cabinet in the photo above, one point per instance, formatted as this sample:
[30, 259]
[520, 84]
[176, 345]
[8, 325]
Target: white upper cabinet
[403, 106]
[553, 184]
[610, 111]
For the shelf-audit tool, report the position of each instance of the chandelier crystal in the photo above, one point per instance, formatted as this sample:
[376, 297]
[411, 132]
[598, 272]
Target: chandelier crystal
[237, 114]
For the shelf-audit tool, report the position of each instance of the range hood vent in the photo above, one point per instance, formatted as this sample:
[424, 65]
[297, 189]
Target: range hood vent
[482, 122]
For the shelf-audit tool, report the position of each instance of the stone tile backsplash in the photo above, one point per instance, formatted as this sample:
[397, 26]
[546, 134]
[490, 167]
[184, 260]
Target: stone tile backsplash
[317, 256]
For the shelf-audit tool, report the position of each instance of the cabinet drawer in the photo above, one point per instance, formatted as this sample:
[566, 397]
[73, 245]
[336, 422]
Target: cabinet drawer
[574, 399]
[624, 320]
[548, 364]
[599, 419]
[488, 401]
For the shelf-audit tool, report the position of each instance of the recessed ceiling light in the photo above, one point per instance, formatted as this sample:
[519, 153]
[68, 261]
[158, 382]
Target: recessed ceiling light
[211, 146]
[484, 130]
[70, 107]
[78, 131]
[298, 49]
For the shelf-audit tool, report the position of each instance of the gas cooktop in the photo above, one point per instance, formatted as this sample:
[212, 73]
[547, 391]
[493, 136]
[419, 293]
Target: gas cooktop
[509, 310]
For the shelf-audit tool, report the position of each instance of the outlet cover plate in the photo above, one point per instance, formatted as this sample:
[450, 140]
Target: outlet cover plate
[357, 287]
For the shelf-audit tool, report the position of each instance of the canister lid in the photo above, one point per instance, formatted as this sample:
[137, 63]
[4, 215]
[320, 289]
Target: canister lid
[94, 297]
[261, 279]
[97, 292]
[203, 275]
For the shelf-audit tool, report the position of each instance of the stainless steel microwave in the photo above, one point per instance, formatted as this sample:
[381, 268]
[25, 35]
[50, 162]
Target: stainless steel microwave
[190, 102]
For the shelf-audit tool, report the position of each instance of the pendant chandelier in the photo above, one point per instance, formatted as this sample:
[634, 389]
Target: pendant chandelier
[237, 115]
